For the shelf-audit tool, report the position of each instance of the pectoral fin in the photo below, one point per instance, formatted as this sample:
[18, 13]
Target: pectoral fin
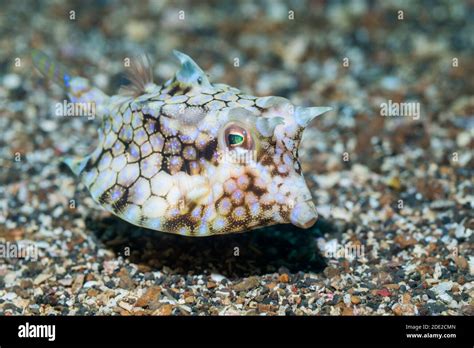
[76, 164]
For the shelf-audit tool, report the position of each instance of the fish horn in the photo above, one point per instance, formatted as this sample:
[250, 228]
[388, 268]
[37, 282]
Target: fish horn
[190, 72]
[304, 115]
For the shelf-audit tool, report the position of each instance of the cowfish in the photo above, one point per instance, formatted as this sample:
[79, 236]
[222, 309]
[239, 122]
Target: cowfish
[191, 157]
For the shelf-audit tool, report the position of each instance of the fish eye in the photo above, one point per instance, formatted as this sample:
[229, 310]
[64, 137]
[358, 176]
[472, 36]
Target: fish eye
[235, 139]
[236, 136]
[199, 80]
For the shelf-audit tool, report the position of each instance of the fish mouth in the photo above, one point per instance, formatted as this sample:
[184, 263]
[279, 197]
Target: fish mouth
[304, 214]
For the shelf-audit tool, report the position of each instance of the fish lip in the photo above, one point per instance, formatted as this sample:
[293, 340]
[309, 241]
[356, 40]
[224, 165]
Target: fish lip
[308, 223]
[304, 214]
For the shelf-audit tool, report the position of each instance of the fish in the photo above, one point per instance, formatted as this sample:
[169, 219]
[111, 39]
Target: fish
[191, 157]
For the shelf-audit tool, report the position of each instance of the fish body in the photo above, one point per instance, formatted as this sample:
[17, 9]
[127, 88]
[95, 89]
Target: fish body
[191, 157]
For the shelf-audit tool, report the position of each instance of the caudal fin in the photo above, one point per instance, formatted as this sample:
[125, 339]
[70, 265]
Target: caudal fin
[51, 69]
[79, 89]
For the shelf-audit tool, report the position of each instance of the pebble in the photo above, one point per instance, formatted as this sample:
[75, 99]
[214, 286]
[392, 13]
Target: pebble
[355, 299]
[347, 311]
[392, 286]
[11, 81]
[211, 285]
[468, 310]
[284, 278]
[247, 284]
[9, 279]
[49, 126]
[331, 272]
[190, 299]
[442, 205]
[383, 293]
[91, 292]
[404, 242]
[67, 282]
[41, 278]
[217, 277]
[391, 83]
[441, 288]
[463, 139]
[126, 281]
[10, 296]
[137, 30]
[90, 284]
[165, 309]
[461, 262]
[127, 306]
[151, 296]
[462, 232]
[78, 282]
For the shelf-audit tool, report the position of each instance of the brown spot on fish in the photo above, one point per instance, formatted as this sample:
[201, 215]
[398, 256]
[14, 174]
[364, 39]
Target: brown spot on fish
[209, 151]
[119, 205]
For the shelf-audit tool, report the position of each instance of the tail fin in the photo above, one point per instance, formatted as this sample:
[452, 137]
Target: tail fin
[51, 69]
[78, 88]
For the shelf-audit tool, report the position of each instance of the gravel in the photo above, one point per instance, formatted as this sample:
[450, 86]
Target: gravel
[395, 194]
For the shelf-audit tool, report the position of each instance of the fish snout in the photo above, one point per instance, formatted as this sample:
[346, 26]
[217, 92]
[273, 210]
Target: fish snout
[304, 214]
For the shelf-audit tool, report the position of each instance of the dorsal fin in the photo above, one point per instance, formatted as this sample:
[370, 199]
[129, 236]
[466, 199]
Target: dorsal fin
[140, 74]
[190, 73]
